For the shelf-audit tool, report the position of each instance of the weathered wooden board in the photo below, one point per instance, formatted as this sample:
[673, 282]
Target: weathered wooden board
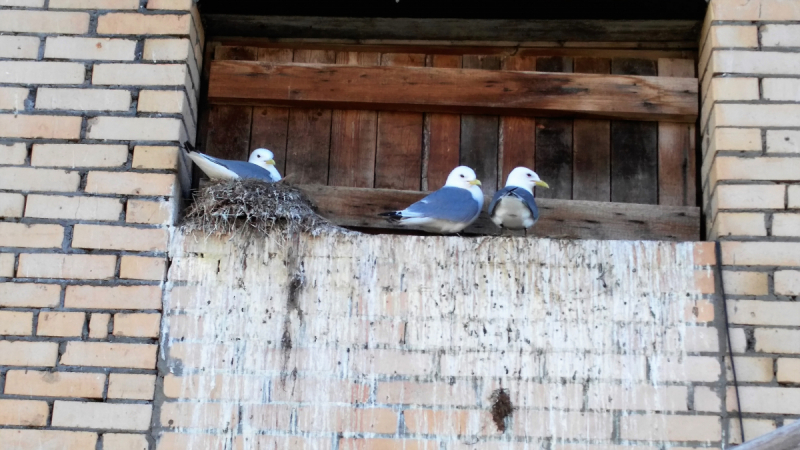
[591, 176]
[570, 219]
[359, 29]
[399, 153]
[309, 131]
[480, 133]
[229, 125]
[554, 142]
[517, 134]
[432, 89]
[229, 132]
[271, 125]
[676, 147]
[634, 147]
[353, 136]
[442, 134]
[679, 50]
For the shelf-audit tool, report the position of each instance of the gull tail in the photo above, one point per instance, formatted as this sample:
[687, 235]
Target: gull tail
[392, 216]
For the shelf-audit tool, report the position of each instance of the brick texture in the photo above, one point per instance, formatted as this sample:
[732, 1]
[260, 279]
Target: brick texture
[60, 324]
[101, 415]
[88, 267]
[88, 171]
[759, 240]
[55, 384]
[119, 238]
[83, 99]
[75, 208]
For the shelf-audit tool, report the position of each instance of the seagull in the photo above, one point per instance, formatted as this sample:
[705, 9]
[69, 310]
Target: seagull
[448, 210]
[261, 165]
[513, 206]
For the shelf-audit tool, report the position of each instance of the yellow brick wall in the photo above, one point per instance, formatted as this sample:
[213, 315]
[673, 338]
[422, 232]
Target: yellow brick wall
[96, 99]
[398, 342]
[750, 74]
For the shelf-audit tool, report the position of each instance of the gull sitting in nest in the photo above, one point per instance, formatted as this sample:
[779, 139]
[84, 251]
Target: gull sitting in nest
[260, 166]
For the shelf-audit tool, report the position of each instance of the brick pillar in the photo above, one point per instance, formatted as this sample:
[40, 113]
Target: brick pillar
[750, 72]
[96, 97]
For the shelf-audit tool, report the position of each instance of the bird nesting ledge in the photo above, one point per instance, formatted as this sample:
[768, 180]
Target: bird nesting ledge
[229, 207]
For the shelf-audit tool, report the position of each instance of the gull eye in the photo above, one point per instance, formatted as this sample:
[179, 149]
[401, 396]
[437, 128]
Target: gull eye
[529, 175]
[462, 176]
[259, 156]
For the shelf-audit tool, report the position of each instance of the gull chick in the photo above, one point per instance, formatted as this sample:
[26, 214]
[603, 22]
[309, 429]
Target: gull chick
[261, 165]
[513, 206]
[448, 210]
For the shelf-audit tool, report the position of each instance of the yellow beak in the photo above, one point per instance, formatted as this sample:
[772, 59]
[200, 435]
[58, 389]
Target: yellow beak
[542, 184]
[475, 182]
[271, 162]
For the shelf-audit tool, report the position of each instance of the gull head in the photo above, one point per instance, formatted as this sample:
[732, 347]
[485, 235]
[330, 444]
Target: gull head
[463, 177]
[262, 157]
[525, 178]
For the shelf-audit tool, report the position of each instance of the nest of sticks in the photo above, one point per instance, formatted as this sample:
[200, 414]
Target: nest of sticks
[240, 206]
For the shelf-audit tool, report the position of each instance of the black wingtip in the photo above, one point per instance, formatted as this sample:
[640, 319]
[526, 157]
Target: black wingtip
[391, 216]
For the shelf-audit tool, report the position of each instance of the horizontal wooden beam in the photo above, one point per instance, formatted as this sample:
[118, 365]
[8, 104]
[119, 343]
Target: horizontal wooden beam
[636, 50]
[566, 219]
[361, 28]
[470, 91]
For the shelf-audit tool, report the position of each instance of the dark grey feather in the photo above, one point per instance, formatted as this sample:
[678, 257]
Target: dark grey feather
[518, 192]
[448, 203]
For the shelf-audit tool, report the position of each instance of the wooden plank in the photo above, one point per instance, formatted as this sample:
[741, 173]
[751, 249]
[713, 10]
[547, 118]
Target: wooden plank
[235, 53]
[398, 160]
[229, 126]
[635, 49]
[517, 134]
[634, 162]
[467, 91]
[270, 130]
[271, 125]
[480, 133]
[353, 136]
[568, 219]
[204, 106]
[591, 176]
[634, 147]
[554, 142]
[309, 135]
[676, 147]
[359, 29]
[229, 132]
[443, 136]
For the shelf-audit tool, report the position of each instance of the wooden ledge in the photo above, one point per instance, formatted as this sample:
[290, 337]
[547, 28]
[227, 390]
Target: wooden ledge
[467, 91]
[565, 219]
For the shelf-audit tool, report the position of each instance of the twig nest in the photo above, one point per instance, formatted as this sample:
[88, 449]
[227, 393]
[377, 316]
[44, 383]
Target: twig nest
[228, 207]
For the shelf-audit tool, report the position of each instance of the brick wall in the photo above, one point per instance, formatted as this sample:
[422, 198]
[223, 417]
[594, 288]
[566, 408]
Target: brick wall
[96, 96]
[750, 72]
[398, 342]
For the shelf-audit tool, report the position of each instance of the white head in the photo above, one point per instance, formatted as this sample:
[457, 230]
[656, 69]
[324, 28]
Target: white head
[264, 158]
[463, 177]
[525, 178]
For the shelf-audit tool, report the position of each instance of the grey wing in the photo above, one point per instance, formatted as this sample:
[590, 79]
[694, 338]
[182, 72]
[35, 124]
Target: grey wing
[243, 169]
[521, 194]
[448, 203]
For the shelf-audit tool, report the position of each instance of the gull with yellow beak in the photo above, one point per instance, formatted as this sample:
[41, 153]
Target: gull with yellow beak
[261, 165]
[513, 206]
[448, 210]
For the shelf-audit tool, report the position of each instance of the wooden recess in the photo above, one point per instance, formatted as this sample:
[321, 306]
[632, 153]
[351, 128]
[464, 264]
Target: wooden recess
[566, 219]
[445, 90]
